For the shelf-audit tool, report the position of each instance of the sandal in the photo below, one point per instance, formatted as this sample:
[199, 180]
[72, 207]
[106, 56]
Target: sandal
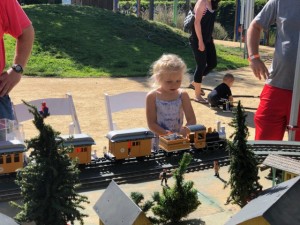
[202, 100]
[191, 86]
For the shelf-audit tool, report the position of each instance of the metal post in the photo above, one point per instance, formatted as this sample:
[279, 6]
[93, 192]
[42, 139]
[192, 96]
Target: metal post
[151, 10]
[138, 8]
[295, 97]
[116, 3]
[175, 12]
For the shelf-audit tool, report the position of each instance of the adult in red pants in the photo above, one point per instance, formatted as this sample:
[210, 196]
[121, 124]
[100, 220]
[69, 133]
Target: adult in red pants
[273, 113]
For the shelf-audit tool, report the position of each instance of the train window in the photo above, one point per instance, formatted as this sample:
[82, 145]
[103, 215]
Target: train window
[1, 159]
[8, 158]
[17, 157]
[136, 143]
[78, 150]
[85, 149]
[200, 136]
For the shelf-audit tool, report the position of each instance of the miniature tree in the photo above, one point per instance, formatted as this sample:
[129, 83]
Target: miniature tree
[182, 195]
[49, 180]
[243, 163]
[138, 198]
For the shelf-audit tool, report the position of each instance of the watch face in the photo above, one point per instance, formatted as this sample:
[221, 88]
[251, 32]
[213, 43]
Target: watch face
[18, 68]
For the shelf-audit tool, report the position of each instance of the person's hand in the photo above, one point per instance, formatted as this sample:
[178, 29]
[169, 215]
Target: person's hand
[8, 80]
[184, 131]
[201, 46]
[259, 68]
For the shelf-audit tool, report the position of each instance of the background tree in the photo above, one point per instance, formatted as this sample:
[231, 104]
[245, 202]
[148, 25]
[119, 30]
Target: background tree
[243, 163]
[178, 201]
[49, 180]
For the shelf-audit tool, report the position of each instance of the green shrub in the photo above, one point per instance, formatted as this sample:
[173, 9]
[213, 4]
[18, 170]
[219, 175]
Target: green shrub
[219, 32]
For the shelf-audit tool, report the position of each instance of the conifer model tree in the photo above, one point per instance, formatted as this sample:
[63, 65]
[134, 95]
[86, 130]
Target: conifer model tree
[178, 201]
[49, 180]
[243, 163]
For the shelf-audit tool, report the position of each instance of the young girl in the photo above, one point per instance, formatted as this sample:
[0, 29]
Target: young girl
[167, 105]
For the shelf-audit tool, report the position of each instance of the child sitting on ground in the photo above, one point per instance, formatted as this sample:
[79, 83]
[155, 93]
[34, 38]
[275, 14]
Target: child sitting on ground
[167, 105]
[222, 92]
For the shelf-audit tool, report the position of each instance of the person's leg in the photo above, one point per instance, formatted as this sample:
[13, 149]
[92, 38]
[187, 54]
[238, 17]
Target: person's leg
[200, 58]
[297, 134]
[211, 57]
[271, 116]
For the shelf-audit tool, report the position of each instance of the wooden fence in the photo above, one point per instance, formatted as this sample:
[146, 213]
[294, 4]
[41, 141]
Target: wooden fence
[105, 4]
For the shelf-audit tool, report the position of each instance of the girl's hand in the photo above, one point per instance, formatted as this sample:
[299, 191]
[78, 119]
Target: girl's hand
[184, 131]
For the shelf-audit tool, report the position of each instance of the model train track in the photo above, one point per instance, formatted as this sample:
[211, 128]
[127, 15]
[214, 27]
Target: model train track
[134, 176]
[103, 178]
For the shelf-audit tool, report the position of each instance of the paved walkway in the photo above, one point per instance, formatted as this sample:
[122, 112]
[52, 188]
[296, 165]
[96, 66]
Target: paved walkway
[212, 195]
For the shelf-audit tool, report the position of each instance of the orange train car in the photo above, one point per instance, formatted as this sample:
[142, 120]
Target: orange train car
[130, 143]
[12, 156]
[82, 144]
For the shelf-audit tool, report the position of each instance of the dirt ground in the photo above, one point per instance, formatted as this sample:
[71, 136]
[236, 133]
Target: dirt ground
[88, 97]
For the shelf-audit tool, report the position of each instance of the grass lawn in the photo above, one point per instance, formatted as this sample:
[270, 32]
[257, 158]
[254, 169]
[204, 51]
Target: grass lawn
[74, 41]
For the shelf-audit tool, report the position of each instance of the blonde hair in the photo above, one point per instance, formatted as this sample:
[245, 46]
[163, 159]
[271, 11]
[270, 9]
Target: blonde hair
[165, 64]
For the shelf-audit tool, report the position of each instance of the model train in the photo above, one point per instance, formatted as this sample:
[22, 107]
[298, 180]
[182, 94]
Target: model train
[122, 144]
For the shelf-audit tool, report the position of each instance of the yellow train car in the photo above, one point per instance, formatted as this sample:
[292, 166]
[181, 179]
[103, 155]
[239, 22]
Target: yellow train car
[82, 144]
[130, 143]
[11, 156]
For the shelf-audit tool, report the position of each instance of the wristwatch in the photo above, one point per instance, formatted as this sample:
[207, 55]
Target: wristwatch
[17, 68]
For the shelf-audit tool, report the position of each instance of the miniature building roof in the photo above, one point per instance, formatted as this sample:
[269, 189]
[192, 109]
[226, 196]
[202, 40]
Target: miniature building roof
[277, 205]
[198, 127]
[130, 134]
[6, 220]
[283, 163]
[78, 139]
[115, 208]
[12, 146]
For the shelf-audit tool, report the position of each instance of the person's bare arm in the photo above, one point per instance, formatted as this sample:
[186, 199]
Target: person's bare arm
[253, 37]
[24, 43]
[199, 10]
[188, 109]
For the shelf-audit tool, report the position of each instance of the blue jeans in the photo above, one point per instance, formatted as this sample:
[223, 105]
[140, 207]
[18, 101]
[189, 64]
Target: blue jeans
[6, 109]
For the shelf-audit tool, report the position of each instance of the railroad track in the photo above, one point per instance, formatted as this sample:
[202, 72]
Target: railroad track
[101, 179]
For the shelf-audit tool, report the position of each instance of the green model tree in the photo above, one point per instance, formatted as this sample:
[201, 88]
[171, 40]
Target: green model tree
[49, 180]
[178, 201]
[243, 163]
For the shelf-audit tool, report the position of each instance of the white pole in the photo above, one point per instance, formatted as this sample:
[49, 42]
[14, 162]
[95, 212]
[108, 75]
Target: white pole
[296, 97]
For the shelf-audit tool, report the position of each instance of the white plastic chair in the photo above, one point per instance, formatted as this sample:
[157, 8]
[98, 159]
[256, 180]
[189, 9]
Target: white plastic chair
[123, 101]
[57, 106]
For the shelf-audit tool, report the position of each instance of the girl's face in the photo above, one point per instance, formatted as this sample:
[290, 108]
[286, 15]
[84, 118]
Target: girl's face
[171, 81]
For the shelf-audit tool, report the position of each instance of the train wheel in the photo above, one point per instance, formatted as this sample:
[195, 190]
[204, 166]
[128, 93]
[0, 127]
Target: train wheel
[216, 146]
[140, 159]
[167, 154]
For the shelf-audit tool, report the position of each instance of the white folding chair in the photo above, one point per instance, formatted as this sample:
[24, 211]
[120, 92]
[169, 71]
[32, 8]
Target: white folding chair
[57, 106]
[123, 101]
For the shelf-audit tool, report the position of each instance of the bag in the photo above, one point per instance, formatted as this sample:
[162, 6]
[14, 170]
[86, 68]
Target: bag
[188, 22]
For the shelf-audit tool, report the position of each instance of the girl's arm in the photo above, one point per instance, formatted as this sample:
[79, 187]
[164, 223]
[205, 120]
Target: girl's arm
[199, 10]
[151, 115]
[188, 109]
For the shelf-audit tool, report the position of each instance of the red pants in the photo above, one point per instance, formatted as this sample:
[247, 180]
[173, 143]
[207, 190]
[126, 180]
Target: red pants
[273, 114]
